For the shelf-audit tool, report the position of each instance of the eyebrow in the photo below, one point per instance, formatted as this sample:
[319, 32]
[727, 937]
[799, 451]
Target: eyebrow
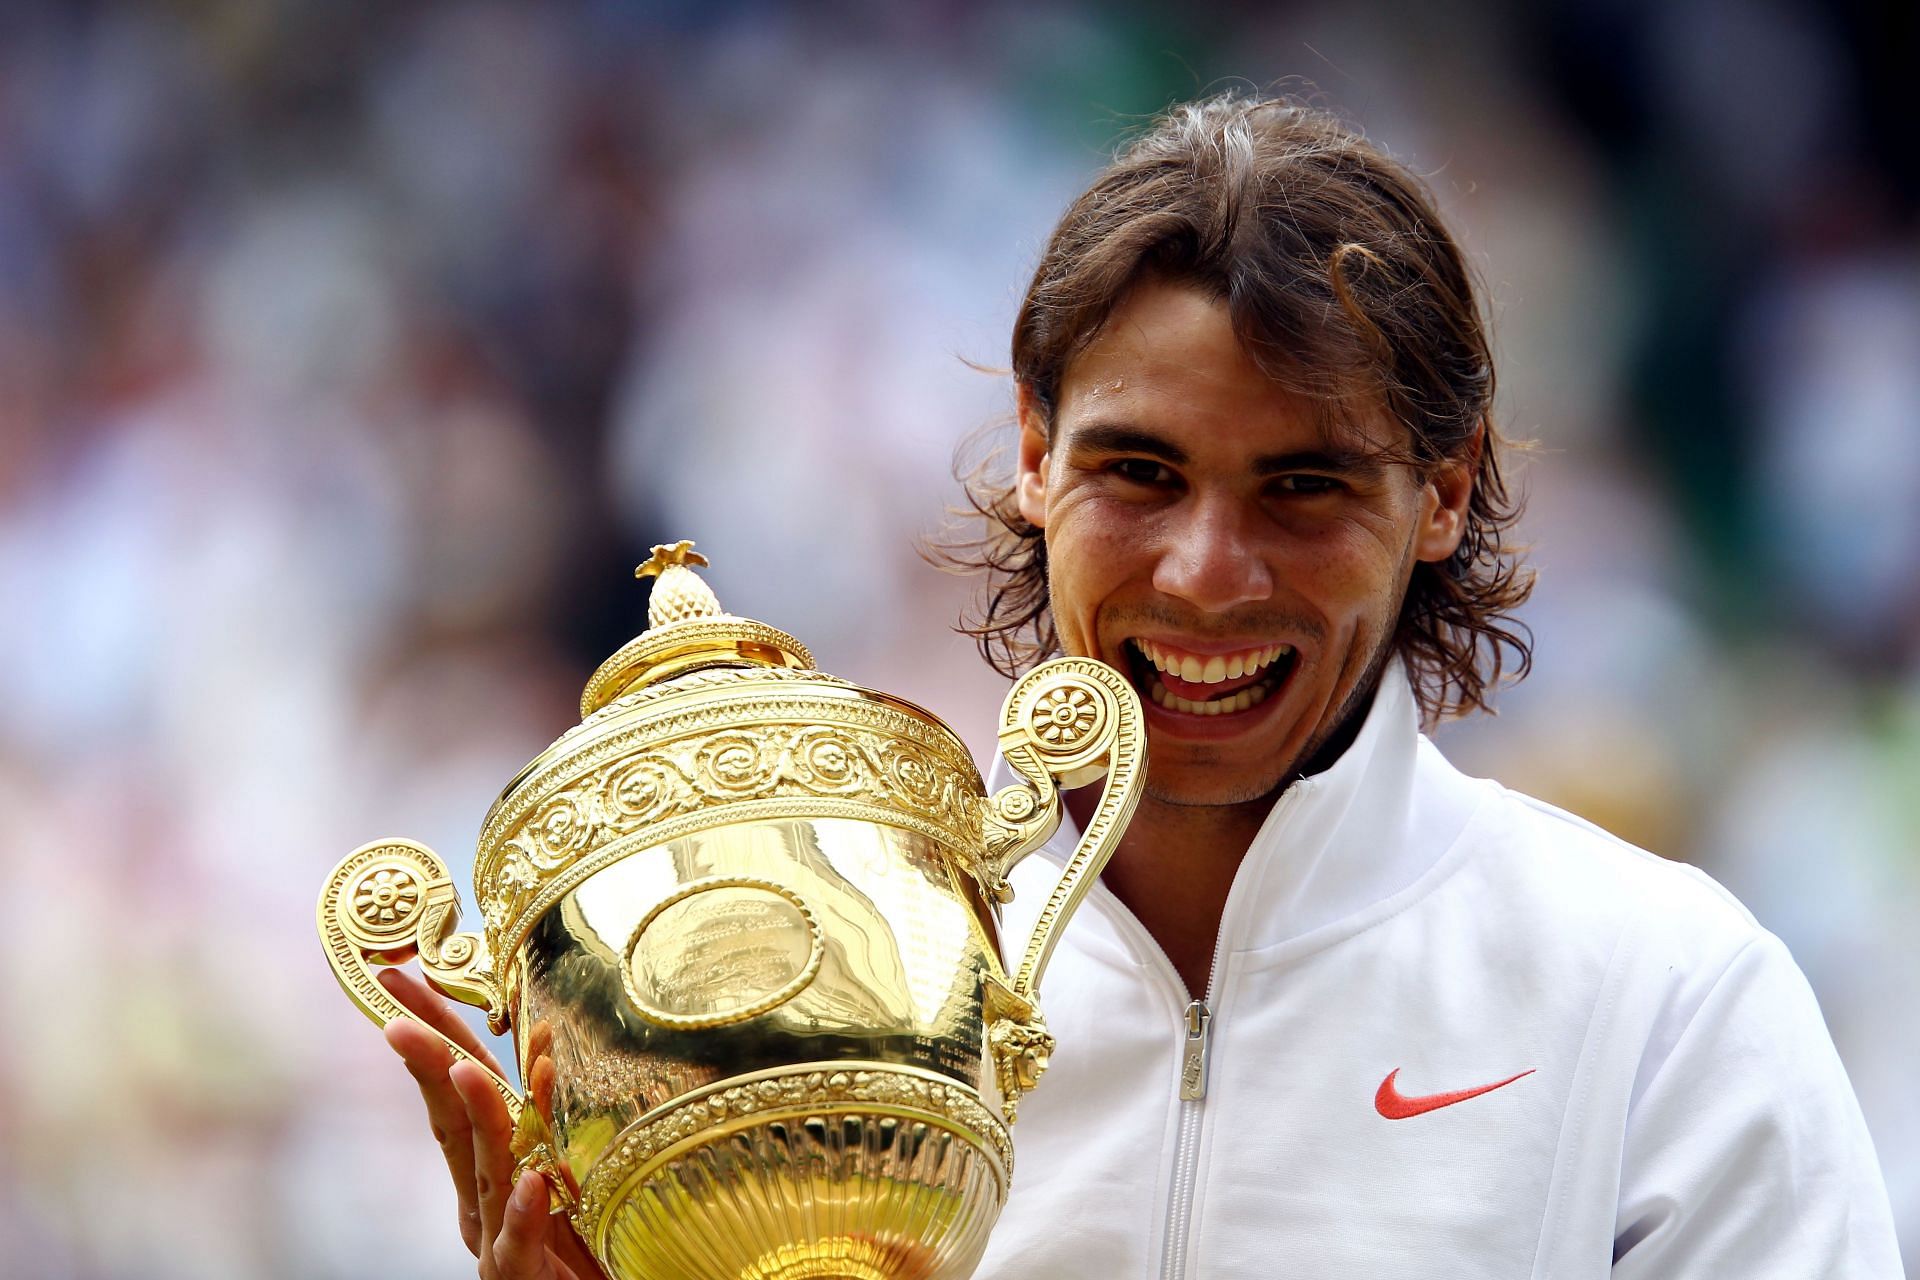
[1121, 438]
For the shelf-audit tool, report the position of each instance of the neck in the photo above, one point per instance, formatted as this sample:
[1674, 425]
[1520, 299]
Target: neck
[1178, 898]
[1176, 863]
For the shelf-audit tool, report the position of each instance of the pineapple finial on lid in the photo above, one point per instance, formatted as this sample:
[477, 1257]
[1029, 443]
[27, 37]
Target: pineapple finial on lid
[687, 630]
[680, 594]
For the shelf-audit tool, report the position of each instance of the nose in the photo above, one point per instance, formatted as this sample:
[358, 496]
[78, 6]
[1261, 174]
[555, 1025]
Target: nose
[1211, 563]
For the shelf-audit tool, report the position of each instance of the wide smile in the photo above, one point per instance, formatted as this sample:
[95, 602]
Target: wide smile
[1189, 683]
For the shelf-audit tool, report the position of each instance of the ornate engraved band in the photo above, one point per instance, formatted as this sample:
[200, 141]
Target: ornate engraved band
[788, 1093]
[709, 759]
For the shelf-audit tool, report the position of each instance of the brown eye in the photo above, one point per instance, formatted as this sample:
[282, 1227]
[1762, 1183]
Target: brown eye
[1306, 484]
[1144, 471]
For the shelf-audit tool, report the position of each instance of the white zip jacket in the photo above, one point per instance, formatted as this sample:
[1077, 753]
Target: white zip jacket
[1451, 1031]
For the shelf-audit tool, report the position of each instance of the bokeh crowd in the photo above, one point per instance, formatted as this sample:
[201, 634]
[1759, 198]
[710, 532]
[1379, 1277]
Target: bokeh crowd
[351, 355]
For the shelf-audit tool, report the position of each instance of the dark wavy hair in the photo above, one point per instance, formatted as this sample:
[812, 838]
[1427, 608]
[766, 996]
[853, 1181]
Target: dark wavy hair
[1344, 286]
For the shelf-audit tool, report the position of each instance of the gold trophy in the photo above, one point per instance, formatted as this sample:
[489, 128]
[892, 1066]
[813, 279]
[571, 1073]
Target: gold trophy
[741, 922]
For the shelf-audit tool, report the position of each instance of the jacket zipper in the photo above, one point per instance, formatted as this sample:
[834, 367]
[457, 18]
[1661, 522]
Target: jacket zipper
[1196, 1029]
[1198, 1024]
[1193, 1054]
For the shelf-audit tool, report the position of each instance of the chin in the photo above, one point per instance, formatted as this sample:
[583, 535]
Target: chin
[1198, 784]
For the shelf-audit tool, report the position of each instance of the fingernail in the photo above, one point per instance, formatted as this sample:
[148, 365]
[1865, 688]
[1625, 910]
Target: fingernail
[524, 1195]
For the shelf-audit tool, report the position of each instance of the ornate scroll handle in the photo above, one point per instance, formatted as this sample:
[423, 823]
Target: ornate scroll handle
[386, 903]
[1064, 724]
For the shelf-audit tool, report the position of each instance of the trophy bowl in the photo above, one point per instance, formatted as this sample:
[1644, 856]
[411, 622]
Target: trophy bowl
[742, 925]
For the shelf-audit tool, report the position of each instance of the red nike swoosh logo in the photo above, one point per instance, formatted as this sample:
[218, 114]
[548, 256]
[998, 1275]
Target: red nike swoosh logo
[1394, 1105]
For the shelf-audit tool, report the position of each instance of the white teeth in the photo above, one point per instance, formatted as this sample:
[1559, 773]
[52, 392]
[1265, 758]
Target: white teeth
[1194, 669]
[1240, 701]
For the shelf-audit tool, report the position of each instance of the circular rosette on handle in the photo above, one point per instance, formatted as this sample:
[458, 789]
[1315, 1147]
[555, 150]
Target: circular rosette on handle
[1070, 718]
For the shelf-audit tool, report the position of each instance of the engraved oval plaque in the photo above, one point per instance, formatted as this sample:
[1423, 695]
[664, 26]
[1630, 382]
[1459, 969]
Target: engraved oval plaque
[721, 951]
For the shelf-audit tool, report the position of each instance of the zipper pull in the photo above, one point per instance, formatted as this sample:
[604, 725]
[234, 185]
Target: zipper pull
[1193, 1054]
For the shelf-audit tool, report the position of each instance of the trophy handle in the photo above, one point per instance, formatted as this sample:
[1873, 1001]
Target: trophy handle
[1064, 724]
[392, 900]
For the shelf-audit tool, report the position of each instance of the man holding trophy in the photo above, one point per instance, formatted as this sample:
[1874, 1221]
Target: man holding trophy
[1334, 1008]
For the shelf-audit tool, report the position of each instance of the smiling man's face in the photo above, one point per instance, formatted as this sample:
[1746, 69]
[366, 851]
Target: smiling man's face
[1207, 536]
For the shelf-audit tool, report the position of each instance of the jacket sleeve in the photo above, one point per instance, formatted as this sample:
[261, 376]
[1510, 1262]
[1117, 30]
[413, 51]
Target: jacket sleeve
[1746, 1153]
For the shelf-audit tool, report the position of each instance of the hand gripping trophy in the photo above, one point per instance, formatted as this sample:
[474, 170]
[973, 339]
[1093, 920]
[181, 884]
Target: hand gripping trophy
[741, 922]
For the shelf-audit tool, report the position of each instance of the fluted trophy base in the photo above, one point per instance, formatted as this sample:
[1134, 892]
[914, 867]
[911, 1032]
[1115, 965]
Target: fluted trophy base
[868, 1171]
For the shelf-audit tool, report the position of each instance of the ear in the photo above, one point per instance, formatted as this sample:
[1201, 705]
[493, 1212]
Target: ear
[1030, 481]
[1448, 494]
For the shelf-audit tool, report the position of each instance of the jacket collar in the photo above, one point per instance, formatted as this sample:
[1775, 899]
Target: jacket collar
[1341, 841]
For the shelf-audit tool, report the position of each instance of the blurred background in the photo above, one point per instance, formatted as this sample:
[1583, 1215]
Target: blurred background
[351, 355]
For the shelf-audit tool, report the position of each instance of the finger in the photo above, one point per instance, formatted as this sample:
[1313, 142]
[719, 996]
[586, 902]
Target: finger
[492, 1158]
[532, 1236]
[436, 1011]
[427, 1059]
[520, 1251]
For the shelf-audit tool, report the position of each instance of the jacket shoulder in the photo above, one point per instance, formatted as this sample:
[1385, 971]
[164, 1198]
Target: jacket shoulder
[1571, 876]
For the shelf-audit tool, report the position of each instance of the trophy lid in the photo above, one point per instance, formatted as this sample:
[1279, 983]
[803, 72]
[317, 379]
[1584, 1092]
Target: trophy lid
[687, 630]
[703, 720]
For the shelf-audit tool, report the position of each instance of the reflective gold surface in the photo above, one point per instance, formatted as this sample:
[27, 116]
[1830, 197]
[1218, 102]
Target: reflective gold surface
[745, 921]
[771, 944]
